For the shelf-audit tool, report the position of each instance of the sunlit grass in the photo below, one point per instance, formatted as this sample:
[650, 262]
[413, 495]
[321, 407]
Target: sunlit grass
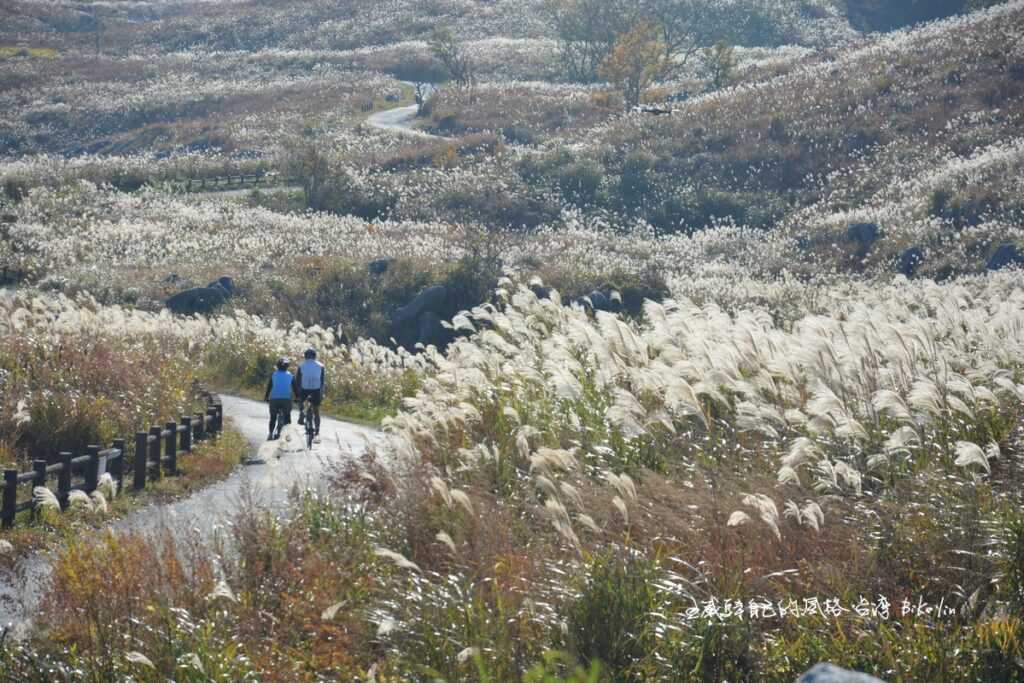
[8, 51]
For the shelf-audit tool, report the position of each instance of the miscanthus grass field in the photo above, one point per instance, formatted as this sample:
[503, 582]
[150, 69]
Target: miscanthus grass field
[712, 385]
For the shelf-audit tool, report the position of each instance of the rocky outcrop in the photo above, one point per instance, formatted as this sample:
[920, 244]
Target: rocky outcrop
[827, 673]
[864, 234]
[224, 283]
[196, 300]
[379, 266]
[1005, 255]
[202, 300]
[419, 321]
[910, 261]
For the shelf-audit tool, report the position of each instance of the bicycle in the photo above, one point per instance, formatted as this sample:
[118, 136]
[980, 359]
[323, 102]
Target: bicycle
[283, 417]
[307, 415]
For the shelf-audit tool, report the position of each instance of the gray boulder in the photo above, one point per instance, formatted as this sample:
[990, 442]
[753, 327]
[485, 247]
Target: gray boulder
[601, 300]
[910, 260]
[1004, 256]
[864, 234]
[197, 300]
[225, 283]
[430, 299]
[827, 673]
[430, 331]
[541, 291]
[379, 266]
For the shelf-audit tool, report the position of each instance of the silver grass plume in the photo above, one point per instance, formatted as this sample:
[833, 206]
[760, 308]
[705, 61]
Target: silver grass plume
[400, 560]
[766, 510]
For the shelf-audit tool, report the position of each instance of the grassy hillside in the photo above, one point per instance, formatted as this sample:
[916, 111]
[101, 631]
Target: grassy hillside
[737, 388]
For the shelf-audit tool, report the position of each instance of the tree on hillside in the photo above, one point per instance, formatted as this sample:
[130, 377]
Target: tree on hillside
[686, 26]
[637, 58]
[587, 31]
[447, 49]
[718, 64]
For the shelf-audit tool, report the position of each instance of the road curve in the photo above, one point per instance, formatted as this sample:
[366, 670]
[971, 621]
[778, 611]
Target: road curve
[400, 119]
[269, 474]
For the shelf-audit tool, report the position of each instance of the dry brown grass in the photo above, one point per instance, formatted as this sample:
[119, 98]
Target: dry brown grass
[101, 590]
[522, 114]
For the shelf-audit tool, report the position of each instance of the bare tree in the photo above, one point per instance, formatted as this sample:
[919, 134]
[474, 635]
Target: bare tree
[420, 95]
[587, 31]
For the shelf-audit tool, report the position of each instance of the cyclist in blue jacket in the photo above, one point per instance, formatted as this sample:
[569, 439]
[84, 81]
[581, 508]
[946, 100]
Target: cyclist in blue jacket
[310, 381]
[280, 392]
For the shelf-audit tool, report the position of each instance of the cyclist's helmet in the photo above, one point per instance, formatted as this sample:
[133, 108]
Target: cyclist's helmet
[310, 352]
[283, 363]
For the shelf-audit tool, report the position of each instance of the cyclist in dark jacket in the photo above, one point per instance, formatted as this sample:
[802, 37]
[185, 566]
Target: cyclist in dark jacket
[280, 392]
[310, 381]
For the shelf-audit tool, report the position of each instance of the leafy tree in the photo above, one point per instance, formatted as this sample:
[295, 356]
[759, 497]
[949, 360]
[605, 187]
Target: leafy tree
[447, 49]
[587, 32]
[637, 58]
[719, 65]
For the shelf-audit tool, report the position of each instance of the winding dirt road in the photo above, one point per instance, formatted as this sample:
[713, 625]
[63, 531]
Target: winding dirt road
[267, 477]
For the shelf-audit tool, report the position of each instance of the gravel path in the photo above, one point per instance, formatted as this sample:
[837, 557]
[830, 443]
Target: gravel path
[267, 476]
[243, 192]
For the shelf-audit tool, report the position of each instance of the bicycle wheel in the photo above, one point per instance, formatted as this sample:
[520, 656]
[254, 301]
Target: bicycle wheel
[280, 424]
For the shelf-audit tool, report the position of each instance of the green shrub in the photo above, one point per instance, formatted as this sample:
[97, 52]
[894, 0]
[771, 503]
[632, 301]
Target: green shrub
[635, 181]
[580, 182]
[342, 194]
[510, 209]
[612, 619]
[1013, 561]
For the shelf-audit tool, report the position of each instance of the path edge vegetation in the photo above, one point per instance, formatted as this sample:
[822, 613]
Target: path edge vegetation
[210, 461]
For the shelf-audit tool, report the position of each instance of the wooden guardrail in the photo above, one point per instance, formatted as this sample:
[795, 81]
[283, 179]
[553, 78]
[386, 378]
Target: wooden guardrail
[232, 181]
[9, 276]
[155, 453]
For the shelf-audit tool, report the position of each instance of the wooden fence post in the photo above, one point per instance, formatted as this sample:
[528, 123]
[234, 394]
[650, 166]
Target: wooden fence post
[212, 412]
[10, 500]
[39, 476]
[39, 470]
[186, 433]
[117, 469]
[64, 479]
[141, 459]
[220, 415]
[200, 427]
[154, 452]
[172, 448]
[92, 468]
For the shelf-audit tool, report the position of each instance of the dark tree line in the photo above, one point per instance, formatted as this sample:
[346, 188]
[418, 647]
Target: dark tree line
[886, 15]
